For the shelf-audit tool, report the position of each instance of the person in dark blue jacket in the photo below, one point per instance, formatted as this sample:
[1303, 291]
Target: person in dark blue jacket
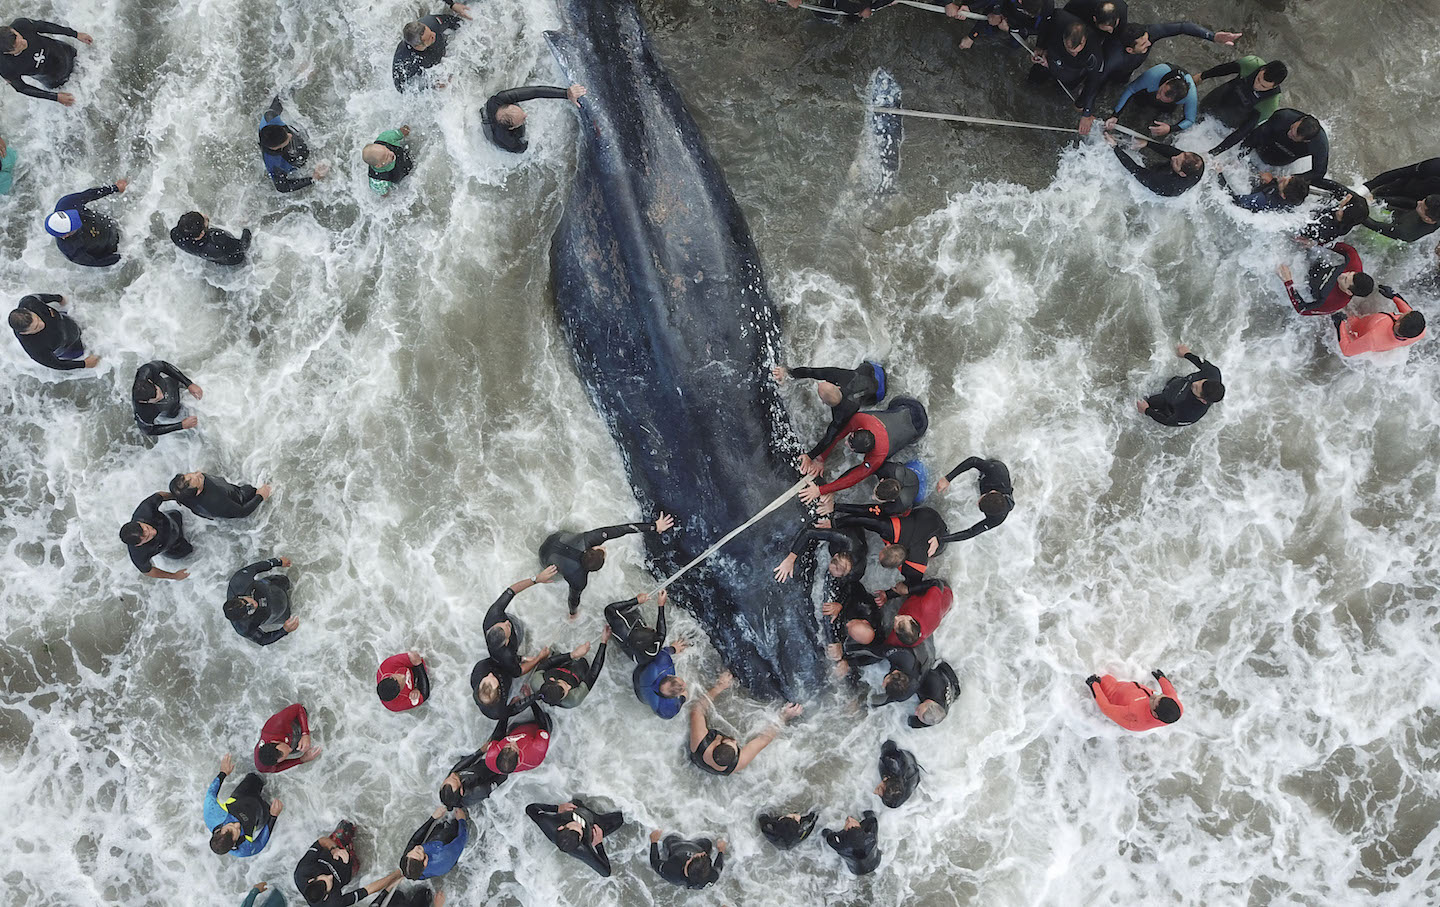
[240, 824]
[83, 236]
[1270, 193]
[435, 847]
[656, 684]
[284, 152]
[259, 607]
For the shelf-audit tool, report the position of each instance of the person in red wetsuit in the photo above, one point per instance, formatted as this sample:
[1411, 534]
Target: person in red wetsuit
[1382, 331]
[521, 748]
[1134, 706]
[876, 436]
[920, 614]
[1333, 284]
[402, 681]
[285, 741]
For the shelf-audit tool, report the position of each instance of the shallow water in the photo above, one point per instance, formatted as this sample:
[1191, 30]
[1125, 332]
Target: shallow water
[394, 368]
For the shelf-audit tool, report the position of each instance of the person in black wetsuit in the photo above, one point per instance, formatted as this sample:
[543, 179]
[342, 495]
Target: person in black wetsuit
[898, 488]
[504, 635]
[576, 555]
[1184, 401]
[49, 337]
[1108, 16]
[192, 233]
[26, 52]
[996, 494]
[1269, 193]
[939, 688]
[854, 628]
[1289, 135]
[844, 390]
[504, 120]
[423, 45]
[565, 680]
[284, 151]
[576, 829]
[259, 607]
[214, 498]
[469, 781]
[848, 553]
[686, 862]
[910, 542]
[402, 895]
[87, 238]
[1071, 51]
[1026, 18]
[1343, 213]
[156, 393]
[1411, 219]
[436, 845]
[1178, 173]
[857, 843]
[788, 830]
[641, 642]
[907, 666]
[329, 865]
[1127, 49]
[153, 532]
[1245, 101]
[717, 754]
[899, 775]
[1412, 181]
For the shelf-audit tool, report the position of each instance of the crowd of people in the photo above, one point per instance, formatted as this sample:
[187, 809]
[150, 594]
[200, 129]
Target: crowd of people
[1091, 50]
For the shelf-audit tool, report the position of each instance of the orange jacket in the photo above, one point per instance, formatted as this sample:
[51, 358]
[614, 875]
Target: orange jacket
[1128, 704]
[1374, 333]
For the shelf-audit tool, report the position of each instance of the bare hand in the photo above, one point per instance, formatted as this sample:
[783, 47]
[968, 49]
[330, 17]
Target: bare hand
[1142, 405]
[1228, 37]
[1110, 139]
[779, 373]
[934, 545]
[880, 597]
[180, 574]
[942, 486]
[967, 42]
[259, 886]
[65, 98]
[825, 523]
[121, 185]
[1182, 350]
[1038, 58]
[1285, 273]
[793, 4]
[605, 634]
[785, 569]
[721, 845]
[792, 711]
[827, 503]
[810, 493]
[404, 130]
[655, 836]
[664, 522]
[439, 813]
[664, 598]
[304, 742]
[92, 361]
[415, 658]
[227, 763]
[680, 645]
[583, 649]
[1159, 129]
[291, 625]
[284, 561]
[462, 10]
[835, 651]
[264, 492]
[86, 39]
[276, 807]
[952, 10]
[830, 609]
[811, 467]
[321, 171]
[643, 597]
[565, 807]
[575, 93]
[1085, 124]
[548, 574]
[189, 422]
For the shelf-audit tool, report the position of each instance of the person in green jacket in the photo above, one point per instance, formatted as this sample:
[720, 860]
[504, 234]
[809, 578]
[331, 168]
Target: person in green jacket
[387, 159]
[8, 157]
[1245, 101]
[276, 899]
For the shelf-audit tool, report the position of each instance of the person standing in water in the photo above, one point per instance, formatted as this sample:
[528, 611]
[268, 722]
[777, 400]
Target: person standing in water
[214, 498]
[576, 829]
[717, 754]
[1134, 706]
[86, 237]
[844, 390]
[258, 607]
[422, 46]
[1246, 101]
[275, 899]
[435, 847]
[641, 642]
[469, 781]
[857, 843]
[504, 635]
[578, 554]
[788, 830]
[939, 688]
[686, 862]
[996, 494]
[329, 865]
[565, 680]
[504, 120]
[152, 533]
[26, 53]
[1174, 173]
[899, 775]
[192, 233]
[49, 337]
[387, 159]
[156, 394]
[401, 682]
[240, 824]
[285, 741]
[284, 151]
[1185, 401]
[1382, 331]
[1334, 284]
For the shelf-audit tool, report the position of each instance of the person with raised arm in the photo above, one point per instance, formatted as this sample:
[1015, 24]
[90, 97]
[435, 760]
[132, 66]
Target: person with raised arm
[1134, 706]
[718, 754]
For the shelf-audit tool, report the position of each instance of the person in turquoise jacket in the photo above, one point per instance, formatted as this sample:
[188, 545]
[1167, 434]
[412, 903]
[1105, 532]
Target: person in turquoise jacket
[276, 899]
[8, 157]
[240, 824]
[387, 159]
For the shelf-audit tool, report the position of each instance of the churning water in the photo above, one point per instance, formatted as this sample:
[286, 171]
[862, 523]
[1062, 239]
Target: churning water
[395, 369]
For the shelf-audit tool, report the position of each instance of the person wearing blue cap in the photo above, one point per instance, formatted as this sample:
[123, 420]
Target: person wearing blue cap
[86, 237]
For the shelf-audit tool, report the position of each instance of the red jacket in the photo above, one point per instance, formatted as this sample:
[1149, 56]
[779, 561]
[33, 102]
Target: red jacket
[1337, 298]
[399, 664]
[873, 459]
[286, 726]
[1128, 703]
[534, 743]
[927, 608]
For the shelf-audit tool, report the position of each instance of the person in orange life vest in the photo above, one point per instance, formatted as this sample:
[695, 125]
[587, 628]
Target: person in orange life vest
[521, 748]
[402, 681]
[876, 436]
[1135, 706]
[1382, 331]
[285, 741]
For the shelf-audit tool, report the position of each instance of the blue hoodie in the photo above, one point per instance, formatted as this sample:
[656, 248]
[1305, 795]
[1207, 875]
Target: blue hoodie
[647, 678]
[216, 815]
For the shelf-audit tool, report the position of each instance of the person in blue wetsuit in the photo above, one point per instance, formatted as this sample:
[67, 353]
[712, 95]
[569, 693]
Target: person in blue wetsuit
[86, 237]
[240, 824]
[997, 495]
[274, 899]
[259, 607]
[1156, 95]
[844, 390]
[435, 847]
[656, 684]
[284, 152]
[1270, 193]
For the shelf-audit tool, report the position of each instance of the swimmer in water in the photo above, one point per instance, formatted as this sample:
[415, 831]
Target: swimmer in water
[848, 552]
[1411, 218]
[578, 554]
[285, 741]
[435, 847]
[1134, 706]
[788, 830]
[329, 865]
[387, 159]
[910, 542]
[284, 151]
[997, 495]
[939, 689]
[152, 533]
[899, 775]
[240, 824]
[717, 754]
[504, 635]
[259, 607]
[155, 394]
[1175, 173]
[576, 829]
[504, 119]
[1337, 218]
[49, 337]
[214, 498]
[402, 682]
[857, 843]
[1185, 401]
[192, 233]
[1270, 193]
[686, 862]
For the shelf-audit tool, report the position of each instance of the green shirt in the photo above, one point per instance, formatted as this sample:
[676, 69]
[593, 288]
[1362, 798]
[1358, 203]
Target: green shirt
[390, 137]
[7, 169]
[1249, 65]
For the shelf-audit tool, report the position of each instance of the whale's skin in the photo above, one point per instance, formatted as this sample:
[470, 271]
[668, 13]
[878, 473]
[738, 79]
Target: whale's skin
[660, 293]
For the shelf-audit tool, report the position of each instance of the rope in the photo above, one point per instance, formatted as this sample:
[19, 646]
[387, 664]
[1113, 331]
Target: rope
[704, 555]
[931, 7]
[983, 121]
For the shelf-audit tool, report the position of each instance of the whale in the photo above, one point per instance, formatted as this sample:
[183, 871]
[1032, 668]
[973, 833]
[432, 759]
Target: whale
[660, 293]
